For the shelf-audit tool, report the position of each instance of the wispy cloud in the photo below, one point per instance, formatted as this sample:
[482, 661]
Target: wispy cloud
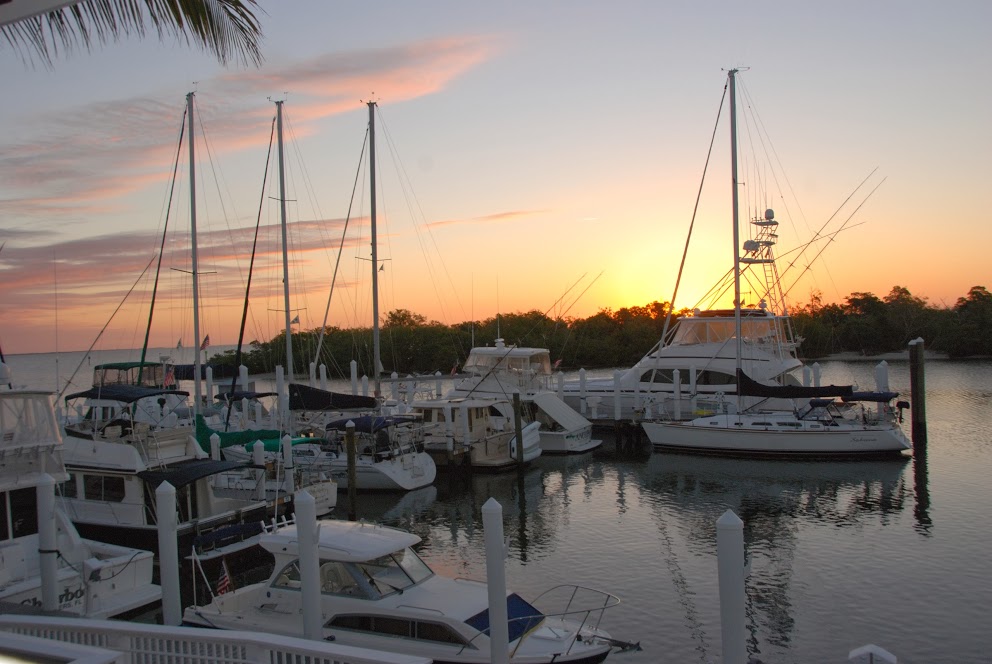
[73, 164]
[510, 215]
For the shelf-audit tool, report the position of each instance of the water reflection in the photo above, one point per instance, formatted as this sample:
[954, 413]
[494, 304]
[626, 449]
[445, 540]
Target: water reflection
[777, 500]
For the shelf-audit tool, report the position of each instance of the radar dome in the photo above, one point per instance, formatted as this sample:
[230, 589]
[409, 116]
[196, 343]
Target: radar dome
[769, 214]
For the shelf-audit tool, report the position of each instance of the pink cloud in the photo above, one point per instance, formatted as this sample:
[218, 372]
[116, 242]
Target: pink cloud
[510, 215]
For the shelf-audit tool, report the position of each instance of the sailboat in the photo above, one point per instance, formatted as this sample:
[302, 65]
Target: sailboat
[390, 448]
[819, 426]
[130, 440]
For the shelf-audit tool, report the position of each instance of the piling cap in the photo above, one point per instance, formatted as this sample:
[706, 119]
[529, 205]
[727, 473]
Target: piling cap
[729, 520]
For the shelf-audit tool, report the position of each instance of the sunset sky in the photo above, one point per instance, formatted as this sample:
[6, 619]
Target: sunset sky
[530, 156]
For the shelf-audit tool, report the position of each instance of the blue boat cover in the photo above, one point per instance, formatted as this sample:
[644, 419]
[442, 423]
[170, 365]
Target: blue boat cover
[123, 393]
[369, 423]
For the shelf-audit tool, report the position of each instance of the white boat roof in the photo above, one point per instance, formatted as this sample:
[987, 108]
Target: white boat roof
[345, 541]
[508, 351]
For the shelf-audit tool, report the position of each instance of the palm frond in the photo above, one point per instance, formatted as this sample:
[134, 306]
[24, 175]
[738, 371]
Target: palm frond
[226, 28]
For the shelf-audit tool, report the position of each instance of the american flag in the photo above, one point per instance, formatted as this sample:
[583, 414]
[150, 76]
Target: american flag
[170, 377]
[224, 582]
[206, 342]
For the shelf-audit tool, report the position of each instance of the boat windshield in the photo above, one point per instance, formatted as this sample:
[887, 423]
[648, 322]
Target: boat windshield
[693, 331]
[396, 571]
[538, 363]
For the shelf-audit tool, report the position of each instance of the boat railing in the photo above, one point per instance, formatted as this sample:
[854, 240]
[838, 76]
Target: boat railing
[139, 642]
[584, 606]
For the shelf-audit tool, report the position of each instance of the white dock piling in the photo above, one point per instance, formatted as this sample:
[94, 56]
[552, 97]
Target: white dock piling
[287, 460]
[499, 633]
[871, 654]
[210, 385]
[215, 446]
[168, 554]
[354, 377]
[243, 376]
[258, 460]
[437, 384]
[582, 392]
[730, 568]
[323, 376]
[306, 533]
[313, 374]
[48, 543]
[882, 376]
[617, 375]
[817, 374]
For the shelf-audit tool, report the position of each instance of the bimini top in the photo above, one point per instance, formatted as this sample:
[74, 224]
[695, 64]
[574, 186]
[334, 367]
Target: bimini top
[370, 423]
[123, 393]
[345, 541]
[187, 472]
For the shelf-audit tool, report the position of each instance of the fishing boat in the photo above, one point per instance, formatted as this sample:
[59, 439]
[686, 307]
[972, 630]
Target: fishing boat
[816, 425]
[89, 578]
[475, 433]
[377, 593]
[502, 370]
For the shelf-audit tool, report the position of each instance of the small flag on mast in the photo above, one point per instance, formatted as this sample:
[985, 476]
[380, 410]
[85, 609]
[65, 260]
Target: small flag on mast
[179, 344]
[206, 342]
[170, 377]
[295, 321]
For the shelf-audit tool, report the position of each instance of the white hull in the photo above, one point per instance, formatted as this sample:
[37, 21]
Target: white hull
[406, 472]
[568, 442]
[758, 434]
[118, 579]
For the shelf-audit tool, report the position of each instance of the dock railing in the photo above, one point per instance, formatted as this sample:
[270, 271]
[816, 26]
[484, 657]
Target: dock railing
[139, 642]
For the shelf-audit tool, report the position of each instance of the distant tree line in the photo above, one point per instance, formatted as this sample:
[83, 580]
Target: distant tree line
[411, 344]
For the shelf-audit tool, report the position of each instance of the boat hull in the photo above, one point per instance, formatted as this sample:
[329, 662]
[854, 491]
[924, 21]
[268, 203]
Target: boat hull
[725, 437]
[402, 473]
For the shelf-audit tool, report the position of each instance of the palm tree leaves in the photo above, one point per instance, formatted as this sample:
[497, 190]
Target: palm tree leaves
[226, 28]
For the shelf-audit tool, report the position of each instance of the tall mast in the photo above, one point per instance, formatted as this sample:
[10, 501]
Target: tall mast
[737, 257]
[285, 248]
[375, 257]
[197, 366]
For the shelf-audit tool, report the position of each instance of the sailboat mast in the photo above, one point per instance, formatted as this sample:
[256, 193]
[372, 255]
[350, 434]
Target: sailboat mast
[285, 247]
[737, 257]
[197, 366]
[376, 363]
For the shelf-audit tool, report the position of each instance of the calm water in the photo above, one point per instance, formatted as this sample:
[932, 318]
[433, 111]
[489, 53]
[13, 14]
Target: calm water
[842, 553]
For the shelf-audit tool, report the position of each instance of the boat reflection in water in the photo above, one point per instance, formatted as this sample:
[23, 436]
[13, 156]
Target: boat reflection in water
[791, 512]
[643, 524]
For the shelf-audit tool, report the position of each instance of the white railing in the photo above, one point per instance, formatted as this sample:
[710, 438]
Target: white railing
[140, 643]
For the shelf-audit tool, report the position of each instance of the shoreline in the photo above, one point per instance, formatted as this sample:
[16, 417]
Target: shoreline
[902, 355]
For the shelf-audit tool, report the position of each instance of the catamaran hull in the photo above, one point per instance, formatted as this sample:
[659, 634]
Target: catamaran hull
[687, 436]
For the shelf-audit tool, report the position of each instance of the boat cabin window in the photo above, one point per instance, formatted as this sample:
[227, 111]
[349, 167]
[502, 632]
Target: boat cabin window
[289, 578]
[103, 487]
[389, 626]
[395, 572]
[704, 377]
[335, 579]
[18, 513]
